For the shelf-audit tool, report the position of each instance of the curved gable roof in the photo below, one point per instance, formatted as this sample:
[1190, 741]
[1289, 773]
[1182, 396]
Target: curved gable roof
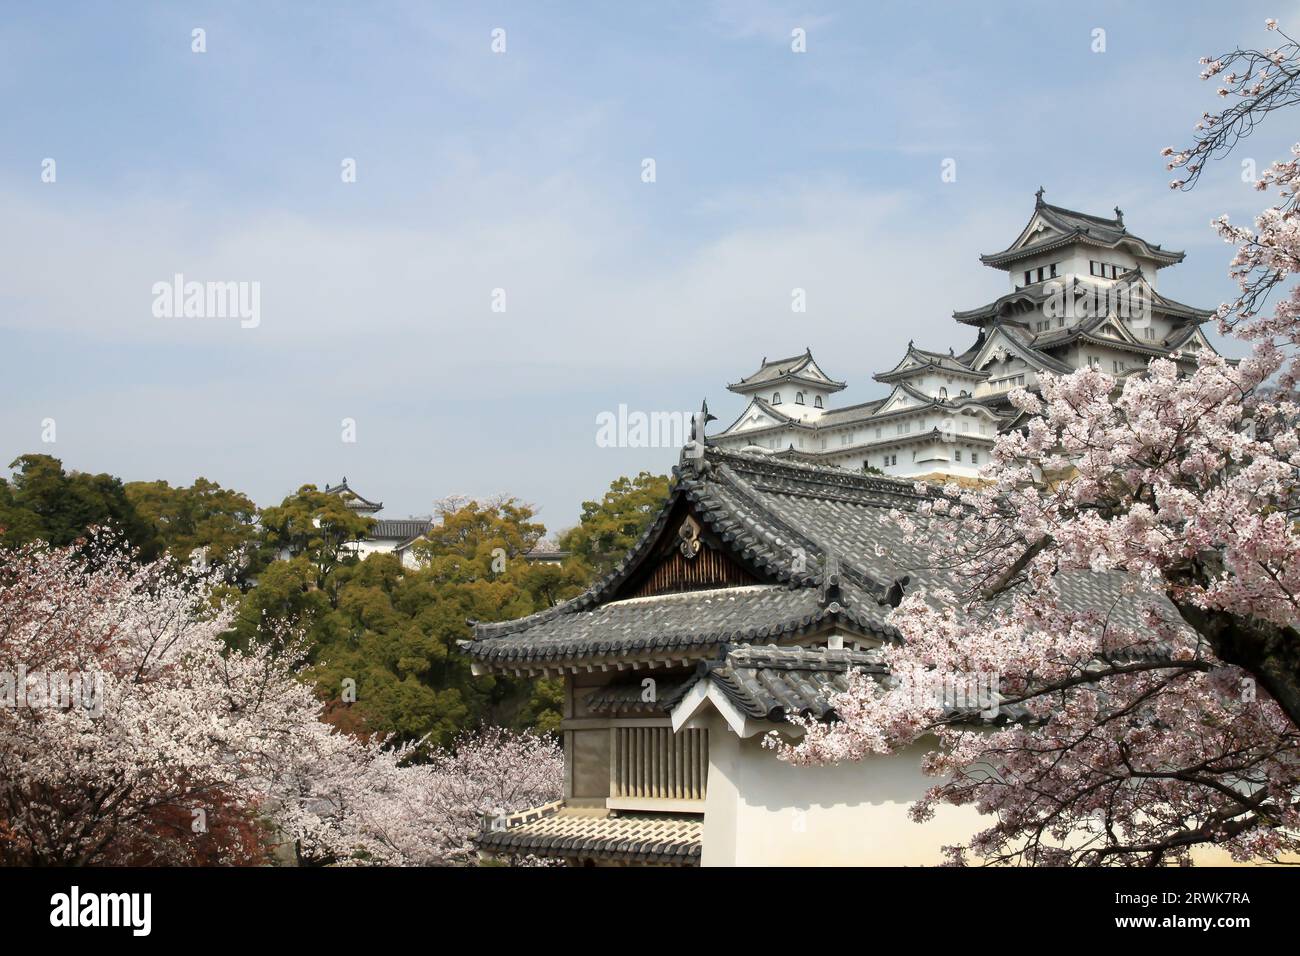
[778, 417]
[917, 361]
[797, 368]
[1068, 227]
[784, 519]
[1001, 335]
[353, 500]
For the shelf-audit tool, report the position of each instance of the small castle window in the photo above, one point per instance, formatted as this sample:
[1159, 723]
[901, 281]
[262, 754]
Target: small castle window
[817, 401]
[943, 392]
[776, 398]
[798, 398]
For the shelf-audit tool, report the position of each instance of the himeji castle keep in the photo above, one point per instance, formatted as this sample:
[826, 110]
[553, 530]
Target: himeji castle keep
[1083, 290]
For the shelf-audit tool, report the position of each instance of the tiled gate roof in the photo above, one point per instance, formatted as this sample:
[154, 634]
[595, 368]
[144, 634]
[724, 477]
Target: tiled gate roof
[563, 832]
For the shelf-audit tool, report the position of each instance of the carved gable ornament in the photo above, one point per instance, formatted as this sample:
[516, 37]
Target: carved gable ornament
[689, 533]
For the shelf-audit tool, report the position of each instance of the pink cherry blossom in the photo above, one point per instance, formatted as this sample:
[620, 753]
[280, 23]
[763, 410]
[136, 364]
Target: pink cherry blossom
[179, 727]
[1161, 713]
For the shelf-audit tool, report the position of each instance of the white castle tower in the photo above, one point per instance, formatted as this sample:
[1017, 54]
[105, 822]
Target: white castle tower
[1082, 291]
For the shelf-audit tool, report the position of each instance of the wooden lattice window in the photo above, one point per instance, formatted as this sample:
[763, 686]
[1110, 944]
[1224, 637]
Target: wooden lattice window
[652, 766]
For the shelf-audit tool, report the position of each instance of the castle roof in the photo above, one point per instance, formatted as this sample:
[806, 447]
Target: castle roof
[757, 686]
[803, 539]
[916, 361]
[399, 529]
[836, 417]
[1028, 298]
[353, 500]
[1020, 341]
[590, 833]
[806, 549]
[1061, 227]
[767, 682]
[801, 369]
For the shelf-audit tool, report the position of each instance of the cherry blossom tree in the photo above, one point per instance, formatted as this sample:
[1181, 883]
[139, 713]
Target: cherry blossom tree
[1255, 82]
[131, 733]
[1130, 572]
[430, 815]
[1131, 740]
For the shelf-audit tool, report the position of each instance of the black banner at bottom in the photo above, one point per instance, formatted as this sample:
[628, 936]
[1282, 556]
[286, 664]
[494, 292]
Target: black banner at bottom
[498, 904]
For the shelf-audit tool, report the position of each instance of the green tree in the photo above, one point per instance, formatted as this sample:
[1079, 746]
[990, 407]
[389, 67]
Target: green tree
[390, 632]
[204, 515]
[475, 542]
[285, 599]
[609, 527]
[42, 501]
[317, 526]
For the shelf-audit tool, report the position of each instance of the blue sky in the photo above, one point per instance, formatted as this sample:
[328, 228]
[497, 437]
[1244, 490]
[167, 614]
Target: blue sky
[522, 171]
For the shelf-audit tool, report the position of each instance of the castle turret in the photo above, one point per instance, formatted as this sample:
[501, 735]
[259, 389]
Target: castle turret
[795, 386]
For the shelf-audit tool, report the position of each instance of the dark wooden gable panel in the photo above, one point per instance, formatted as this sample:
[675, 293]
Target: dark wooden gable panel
[708, 569]
[698, 562]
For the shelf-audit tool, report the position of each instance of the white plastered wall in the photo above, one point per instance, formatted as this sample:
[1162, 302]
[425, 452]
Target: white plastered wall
[762, 811]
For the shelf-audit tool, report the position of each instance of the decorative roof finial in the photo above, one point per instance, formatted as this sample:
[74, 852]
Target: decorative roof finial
[1119, 215]
[829, 592]
[691, 460]
[893, 595]
[909, 342]
[700, 420]
[1038, 197]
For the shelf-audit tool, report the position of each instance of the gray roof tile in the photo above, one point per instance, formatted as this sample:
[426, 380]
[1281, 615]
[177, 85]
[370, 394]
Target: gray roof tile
[1075, 226]
[401, 529]
[774, 683]
[824, 540]
[771, 682]
[560, 832]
